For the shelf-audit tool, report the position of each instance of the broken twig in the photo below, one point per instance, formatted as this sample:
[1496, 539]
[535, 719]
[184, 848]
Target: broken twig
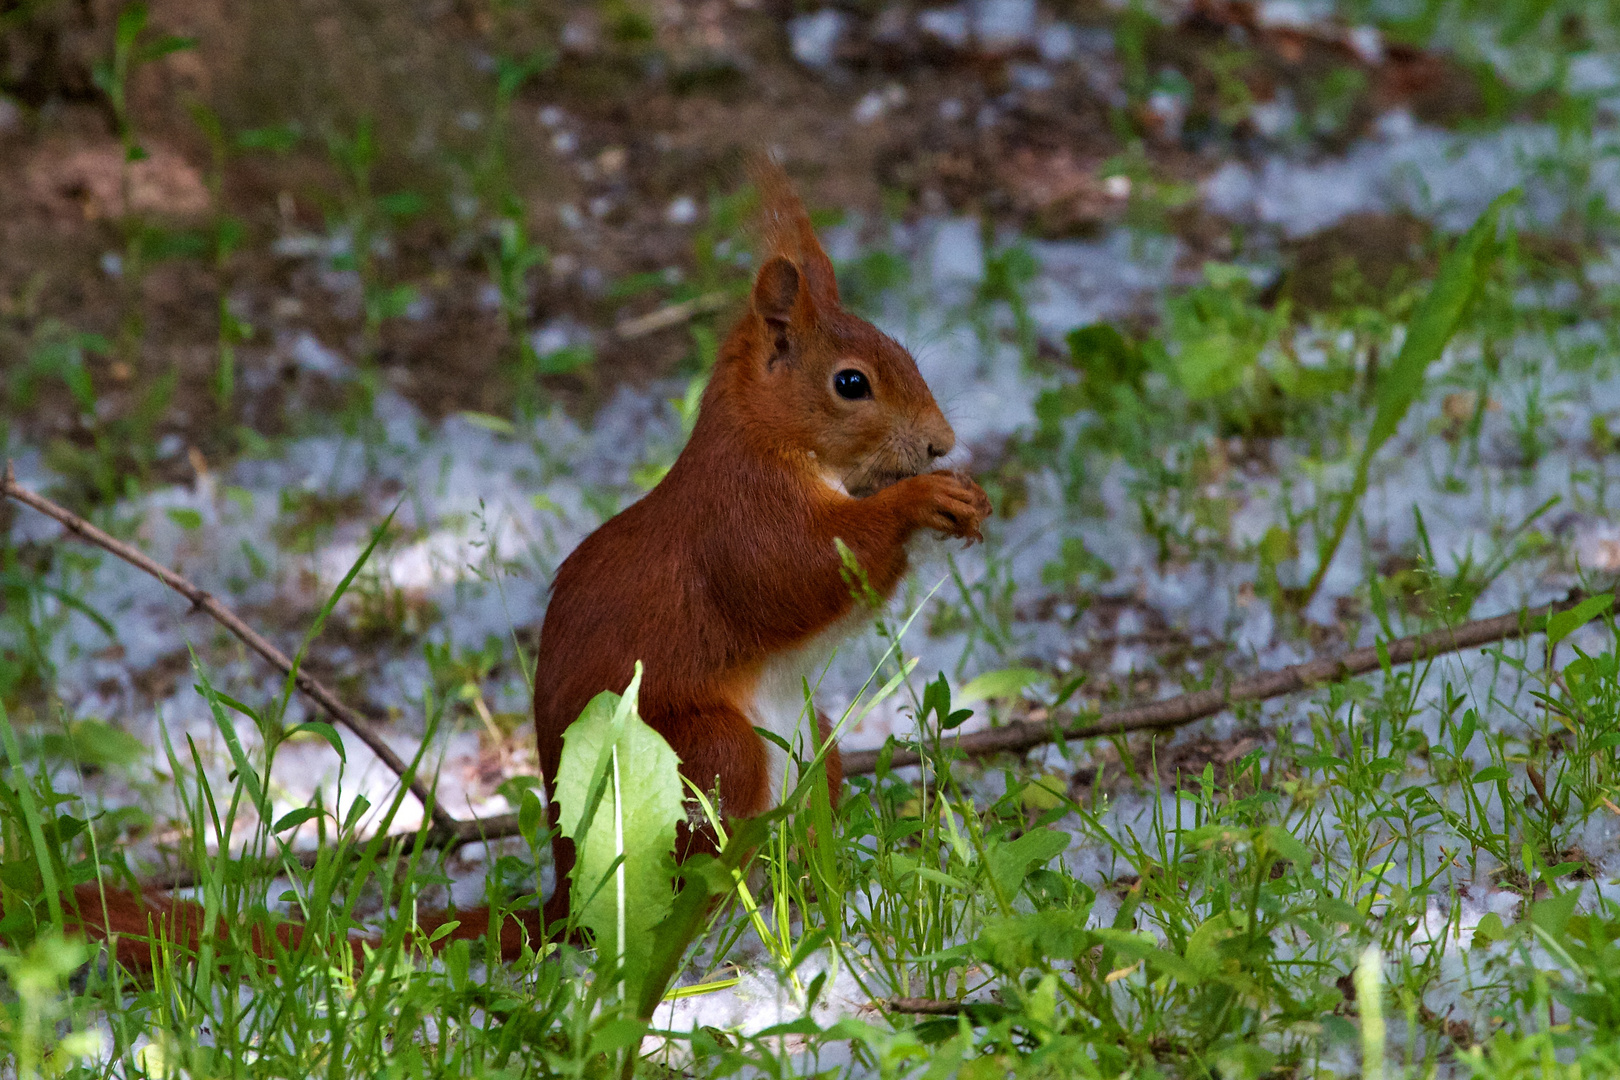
[926, 1006]
[670, 315]
[201, 600]
[1185, 708]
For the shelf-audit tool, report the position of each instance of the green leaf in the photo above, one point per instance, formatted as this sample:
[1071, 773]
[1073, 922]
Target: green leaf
[401, 204]
[95, 742]
[1552, 914]
[458, 963]
[229, 702]
[183, 517]
[619, 792]
[1214, 364]
[1164, 962]
[1565, 623]
[1489, 773]
[804, 1025]
[829, 882]
[1277, 547]
[530, 814]
[394, 302]
[1242, 1059]
[1489, 929]
[1332, 909]
[1044, 793]
[332, 601]
[1287, 845]
[241, 498]
[1107, 361]
[566, 359]
[498, 425]
[1463, 273]
[1006, 683]
[357, 810]
[1204, 950]
[1074, 562]
[163, 46]
[615, 1035]
[131, 21]
[163, 244]
[278, 139]
[703, 878]
[1137, 945]
[1013, 861]
[1025, 941]
[939, 877]
[294, 818]
[325, 731]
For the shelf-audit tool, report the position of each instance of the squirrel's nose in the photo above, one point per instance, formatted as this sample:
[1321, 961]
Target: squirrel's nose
[937, 451]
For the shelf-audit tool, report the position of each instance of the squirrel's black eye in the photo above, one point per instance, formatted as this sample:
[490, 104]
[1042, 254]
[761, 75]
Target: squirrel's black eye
[852, 385]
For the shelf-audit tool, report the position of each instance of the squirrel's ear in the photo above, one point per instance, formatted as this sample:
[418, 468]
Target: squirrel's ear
[776, 297]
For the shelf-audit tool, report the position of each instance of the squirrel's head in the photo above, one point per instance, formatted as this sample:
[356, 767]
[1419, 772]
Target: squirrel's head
[816, 379]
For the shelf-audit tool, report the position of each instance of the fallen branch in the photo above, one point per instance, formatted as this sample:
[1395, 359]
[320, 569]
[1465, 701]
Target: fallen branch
[1185, 708]
[312, 687]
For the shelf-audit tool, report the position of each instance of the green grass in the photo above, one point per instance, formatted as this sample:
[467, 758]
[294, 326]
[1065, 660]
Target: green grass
[1229, 918]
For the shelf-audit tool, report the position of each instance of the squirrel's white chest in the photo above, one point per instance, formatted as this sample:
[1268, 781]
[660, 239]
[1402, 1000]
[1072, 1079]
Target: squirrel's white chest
[778, 703]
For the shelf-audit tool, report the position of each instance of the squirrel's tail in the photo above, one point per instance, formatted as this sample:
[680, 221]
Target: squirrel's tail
[136, 924]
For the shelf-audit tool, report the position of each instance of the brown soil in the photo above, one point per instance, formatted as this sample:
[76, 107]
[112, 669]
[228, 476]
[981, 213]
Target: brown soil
[658, 101]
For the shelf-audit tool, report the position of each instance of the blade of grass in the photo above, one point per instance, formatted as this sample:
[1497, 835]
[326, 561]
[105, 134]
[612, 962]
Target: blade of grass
[244, 769]
[1439, 315]
[36, 827]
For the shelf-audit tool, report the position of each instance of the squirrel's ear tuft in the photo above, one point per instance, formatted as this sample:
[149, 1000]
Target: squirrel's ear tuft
[776, 297]
[788, 231]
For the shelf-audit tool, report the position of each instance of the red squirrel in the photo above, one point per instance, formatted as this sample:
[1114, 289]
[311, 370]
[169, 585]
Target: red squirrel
[725, 580]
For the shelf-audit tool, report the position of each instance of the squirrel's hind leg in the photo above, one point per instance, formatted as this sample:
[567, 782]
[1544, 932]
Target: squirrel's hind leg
[723, 756]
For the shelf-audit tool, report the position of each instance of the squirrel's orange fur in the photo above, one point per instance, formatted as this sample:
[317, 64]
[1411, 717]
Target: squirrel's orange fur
[730, 564]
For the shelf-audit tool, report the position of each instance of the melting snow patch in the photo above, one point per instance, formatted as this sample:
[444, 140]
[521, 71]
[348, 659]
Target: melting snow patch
[1004, 24]
[1444, 177]
[814, 38]
[949, 25]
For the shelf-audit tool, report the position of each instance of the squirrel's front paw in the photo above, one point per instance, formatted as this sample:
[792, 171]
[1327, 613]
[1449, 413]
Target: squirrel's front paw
[953, 505]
